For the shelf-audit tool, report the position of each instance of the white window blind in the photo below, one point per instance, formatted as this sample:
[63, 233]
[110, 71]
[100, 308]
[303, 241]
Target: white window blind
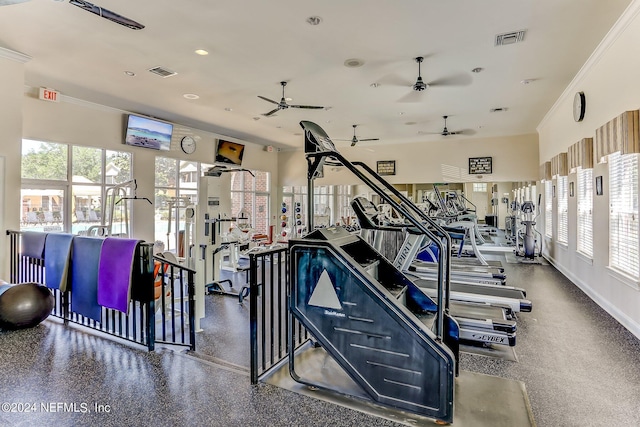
[623, 213]
[563, 208]
[548, 208]
[585, 211]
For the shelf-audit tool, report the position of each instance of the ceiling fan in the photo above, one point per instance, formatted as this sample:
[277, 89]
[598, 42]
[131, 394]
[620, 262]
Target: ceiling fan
[420, 86]
[282, 105]
[446, 132]
[355, 139]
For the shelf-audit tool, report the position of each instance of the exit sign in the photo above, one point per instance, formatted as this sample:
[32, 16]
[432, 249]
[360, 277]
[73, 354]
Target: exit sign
[49, 95]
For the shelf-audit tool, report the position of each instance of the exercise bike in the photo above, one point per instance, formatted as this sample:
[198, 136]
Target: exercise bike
[528, 239]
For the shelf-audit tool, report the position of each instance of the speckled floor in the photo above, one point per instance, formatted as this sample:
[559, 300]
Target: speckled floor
[580, 368]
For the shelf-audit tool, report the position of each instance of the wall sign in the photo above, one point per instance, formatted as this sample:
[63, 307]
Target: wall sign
[386, 167]
[480, 165]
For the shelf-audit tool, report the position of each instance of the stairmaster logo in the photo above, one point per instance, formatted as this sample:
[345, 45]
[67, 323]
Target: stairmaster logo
[324, 296]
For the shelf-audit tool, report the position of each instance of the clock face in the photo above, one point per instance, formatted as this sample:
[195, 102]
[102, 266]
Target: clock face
[188, 144]
[579, 106]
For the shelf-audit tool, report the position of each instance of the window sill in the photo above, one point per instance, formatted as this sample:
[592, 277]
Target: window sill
[624, 278]
[587, 259]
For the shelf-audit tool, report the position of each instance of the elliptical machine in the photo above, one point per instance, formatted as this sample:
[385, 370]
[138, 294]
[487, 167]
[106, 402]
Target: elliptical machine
[528, 239]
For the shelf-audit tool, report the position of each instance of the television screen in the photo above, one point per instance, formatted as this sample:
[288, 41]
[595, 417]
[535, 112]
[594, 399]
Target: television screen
[148, 133]
[229, 152]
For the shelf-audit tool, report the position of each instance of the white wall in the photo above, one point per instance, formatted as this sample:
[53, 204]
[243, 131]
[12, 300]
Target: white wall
[611, 85]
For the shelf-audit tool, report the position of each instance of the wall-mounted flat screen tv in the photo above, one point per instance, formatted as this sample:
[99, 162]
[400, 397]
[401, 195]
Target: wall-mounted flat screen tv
[229, 152]
[148, 133]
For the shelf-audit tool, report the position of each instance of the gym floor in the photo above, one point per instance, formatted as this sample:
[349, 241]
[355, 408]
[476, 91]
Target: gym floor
[579, 366]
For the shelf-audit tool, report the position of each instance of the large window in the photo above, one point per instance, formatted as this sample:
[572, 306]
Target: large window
[250, 199]
[548, 208]
[585, 214]
[623, 213]
[176, 187]
[64, 187]
[563, 209]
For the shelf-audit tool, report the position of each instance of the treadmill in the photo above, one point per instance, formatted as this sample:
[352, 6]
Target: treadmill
[498, 295]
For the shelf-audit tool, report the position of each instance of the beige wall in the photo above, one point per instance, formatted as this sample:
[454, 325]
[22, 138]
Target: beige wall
[611, 85]
[515, 158]
[11, 83]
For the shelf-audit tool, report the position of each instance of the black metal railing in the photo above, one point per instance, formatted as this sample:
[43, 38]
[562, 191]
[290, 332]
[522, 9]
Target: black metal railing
[174, 305]
[269, 315]
[165, 319]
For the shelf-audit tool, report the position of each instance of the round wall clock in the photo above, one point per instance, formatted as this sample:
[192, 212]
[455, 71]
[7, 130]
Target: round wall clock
[188, 145]
[579, 106]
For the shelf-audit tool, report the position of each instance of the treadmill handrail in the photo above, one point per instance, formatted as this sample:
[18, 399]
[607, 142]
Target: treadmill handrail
[442, 301]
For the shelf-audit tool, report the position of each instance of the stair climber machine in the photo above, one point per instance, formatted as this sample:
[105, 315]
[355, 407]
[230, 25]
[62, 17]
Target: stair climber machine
[399, 345]
[481, 323]
[528, 239]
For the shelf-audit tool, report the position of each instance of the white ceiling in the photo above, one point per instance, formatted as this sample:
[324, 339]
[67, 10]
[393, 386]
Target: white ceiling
[255, 44]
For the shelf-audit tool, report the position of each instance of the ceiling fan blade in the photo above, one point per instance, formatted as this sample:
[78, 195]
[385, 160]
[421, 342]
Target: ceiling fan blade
[8, 2]
[307, 107]
[464, 132]
[268, 100]
[412, 96]
[457, 80]
[370, 139]
[107, 14]
[395, 80]
[270, 113]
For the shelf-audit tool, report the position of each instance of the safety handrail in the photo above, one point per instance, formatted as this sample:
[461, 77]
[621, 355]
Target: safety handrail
[334, 155]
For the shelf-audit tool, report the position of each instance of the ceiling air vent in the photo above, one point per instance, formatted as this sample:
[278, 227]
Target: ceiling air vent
[162, 72]
[510, 38]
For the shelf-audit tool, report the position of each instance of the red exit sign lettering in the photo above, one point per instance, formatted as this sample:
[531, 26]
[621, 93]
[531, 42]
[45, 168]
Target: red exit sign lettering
[49, 95]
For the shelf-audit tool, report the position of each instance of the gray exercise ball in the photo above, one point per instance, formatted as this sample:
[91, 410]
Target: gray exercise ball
[25, 305]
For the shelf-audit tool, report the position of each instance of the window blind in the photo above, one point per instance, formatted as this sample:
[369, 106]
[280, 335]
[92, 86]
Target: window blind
[623, 213]
[563, 208]
[585, 212]
[548, 208]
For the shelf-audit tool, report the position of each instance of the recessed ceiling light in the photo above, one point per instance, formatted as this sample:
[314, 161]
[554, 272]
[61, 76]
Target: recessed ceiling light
[477, 70]
[526, 81]
[278, 127]
[353, 63]
[130, 73]
[191, 96]
[374, 85]
[401, 113]
[201, 52]
[314, 20]
[228, 109]
[256, 118]
[328, 121]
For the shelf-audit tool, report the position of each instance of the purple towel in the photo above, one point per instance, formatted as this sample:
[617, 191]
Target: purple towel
[32, 244]
[114, 273]
[85, 259]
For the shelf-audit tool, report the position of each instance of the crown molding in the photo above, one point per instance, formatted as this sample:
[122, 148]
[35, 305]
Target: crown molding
[627, 17]
[13, 55]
